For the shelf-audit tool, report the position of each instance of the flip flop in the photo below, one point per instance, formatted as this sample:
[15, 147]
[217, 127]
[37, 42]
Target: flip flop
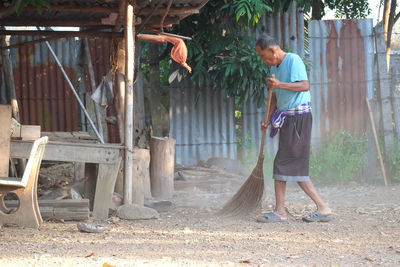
[271, 217]
[317, 216]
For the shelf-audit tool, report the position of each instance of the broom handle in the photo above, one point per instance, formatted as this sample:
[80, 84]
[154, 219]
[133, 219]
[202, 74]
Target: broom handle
[266, 118]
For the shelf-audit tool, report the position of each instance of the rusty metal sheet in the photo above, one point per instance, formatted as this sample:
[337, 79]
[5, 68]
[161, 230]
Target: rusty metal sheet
[341, 52]
[43, 95]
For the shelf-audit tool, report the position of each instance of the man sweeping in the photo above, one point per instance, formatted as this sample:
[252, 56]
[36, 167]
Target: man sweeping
[290, 115]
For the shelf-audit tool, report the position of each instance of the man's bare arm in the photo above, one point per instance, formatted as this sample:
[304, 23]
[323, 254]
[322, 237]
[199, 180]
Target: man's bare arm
[300, 86]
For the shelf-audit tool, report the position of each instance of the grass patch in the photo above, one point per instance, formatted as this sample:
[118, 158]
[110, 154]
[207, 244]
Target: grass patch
[340, 159]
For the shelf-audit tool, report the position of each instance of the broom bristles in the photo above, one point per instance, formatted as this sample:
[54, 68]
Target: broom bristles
[249, 195]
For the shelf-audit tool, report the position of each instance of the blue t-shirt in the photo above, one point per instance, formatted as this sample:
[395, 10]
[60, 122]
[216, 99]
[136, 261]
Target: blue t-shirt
[291, 69]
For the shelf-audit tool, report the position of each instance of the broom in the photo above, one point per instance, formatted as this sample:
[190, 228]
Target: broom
[250, 193]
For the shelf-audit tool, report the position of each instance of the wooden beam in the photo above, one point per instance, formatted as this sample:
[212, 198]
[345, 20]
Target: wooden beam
[88, 9]
[63, 209]
[26, 132]
[155, 22]
[105, 184]
[172, 12]
[121, 15]
[82, 22]
[62, 34]
[52, 22]
[69, 152]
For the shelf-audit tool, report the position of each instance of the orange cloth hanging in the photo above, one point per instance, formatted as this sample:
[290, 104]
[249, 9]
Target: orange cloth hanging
[178, 52]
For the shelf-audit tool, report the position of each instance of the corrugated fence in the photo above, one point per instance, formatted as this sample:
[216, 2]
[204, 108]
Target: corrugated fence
[341, 77]
[43, 94]
[204, 129]
[342, 58]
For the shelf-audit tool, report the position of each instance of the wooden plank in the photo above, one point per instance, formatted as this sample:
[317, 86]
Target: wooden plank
[107, 175]
[90, 182]
[62, 203]
[69, 152]
[5, 133]
[30, 132]
[25, 132]
[65, 209]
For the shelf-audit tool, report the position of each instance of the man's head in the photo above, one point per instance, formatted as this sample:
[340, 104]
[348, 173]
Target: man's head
[269, 50]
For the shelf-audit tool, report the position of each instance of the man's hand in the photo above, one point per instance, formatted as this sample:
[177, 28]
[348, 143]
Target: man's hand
[264, 125]
[272, 83]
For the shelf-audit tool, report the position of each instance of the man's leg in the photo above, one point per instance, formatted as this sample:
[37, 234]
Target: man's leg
[310, 190]
[280, 191]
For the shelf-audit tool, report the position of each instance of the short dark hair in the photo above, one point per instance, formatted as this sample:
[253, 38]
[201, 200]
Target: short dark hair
[266, 41]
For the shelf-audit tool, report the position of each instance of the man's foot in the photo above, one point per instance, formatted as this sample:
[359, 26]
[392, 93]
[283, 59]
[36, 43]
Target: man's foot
[325, 211]
[271, 217]
[317, 216]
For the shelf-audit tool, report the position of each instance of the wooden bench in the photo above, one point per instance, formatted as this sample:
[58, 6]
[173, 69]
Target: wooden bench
[27, 213]
[108, 157]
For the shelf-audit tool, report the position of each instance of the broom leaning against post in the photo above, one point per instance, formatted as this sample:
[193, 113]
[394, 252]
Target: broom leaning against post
[291, 106]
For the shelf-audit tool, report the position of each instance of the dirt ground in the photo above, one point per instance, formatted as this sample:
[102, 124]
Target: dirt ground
[365, 231]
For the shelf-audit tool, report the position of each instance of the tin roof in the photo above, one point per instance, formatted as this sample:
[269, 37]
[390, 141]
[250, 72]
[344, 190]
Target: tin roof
[96, 13]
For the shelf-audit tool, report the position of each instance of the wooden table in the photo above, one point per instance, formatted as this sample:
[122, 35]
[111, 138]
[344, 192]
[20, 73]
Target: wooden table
[107, 156]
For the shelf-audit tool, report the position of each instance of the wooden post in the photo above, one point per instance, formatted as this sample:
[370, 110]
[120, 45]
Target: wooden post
[88, 60]
[9, 79]
[89, 190]
[384, 86]
[162, 153]
[396, 102]
[156, 107]
[129, 100]
[5, 122]
[371, 117]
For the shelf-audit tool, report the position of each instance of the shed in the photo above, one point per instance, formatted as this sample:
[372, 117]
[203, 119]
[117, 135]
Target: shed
[108, 18]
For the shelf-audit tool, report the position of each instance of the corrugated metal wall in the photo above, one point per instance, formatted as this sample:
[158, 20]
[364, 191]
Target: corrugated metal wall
[43, 95]
[201, 130]
[342, 54]
[208, 130]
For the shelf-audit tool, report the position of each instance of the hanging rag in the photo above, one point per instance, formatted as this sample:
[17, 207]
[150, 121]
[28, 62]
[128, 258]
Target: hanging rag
[103, 95]
[178, 52]
[279, 116]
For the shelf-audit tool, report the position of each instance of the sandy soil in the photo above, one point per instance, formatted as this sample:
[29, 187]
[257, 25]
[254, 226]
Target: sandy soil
[365, 232]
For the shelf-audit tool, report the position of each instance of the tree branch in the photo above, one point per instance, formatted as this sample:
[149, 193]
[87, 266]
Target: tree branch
[396, 18]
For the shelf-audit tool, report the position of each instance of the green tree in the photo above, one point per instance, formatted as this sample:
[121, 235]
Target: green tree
[223, 45]
[223, 50]
[389, 19]
[347, 9]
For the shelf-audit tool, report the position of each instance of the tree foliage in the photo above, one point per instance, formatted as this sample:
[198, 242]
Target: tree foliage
[39, 4]
[223, 47]
[348, 9]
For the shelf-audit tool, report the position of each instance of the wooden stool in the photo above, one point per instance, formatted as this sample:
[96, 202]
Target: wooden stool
[28, 213]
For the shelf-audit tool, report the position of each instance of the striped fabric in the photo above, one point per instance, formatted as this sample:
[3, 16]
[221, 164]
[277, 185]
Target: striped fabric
[279, 116]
